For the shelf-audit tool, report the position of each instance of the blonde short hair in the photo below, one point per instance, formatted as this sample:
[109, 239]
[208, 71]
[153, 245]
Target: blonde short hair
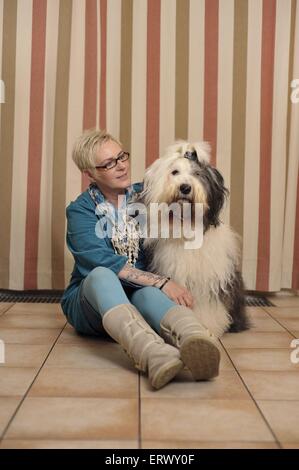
[84, 149]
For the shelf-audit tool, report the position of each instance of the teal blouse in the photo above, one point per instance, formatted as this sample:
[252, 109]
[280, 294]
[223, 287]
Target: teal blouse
[90, 251]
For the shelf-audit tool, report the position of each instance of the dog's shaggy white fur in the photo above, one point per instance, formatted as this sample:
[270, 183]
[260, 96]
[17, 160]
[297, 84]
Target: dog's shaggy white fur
[211, 271]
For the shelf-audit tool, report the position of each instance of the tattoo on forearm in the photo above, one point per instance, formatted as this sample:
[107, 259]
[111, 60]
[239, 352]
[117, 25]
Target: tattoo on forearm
[139, 277]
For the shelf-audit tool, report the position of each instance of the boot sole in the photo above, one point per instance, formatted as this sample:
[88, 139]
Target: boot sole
[166, 373]
[201, 357]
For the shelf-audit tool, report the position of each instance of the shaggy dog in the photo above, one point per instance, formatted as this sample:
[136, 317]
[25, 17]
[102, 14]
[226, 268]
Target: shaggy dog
[210, 272]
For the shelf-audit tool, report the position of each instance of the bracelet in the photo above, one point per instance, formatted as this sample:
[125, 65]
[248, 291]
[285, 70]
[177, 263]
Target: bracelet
[165, 282]
[161, 278]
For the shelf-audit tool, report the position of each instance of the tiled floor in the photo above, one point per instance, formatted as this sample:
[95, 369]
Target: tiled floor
[60, 390]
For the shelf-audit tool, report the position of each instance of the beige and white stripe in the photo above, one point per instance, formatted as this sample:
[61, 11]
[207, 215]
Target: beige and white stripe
[252, 143]
[167, 75]
[44, 268]
[75, 107]
[289, 247]
[225, 91]
[7, 133]
[279, 135]
[196, 70]
[113, 65]
[60, 141]
[21, 143]
[150, 72]
[1, 35]
[138, 90]
[99, 45]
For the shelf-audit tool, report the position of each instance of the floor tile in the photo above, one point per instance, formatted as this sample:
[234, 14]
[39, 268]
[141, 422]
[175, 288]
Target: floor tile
[29, 335]
[283, 417]
[97, 383]
[86, 395]
[35, 307]
[4, 306]
[62, 444]
[24, 355]
[70, 336]
[274, 385]
[262, 318]
[207, 445]
[226, 386]
[291, 324]
[257, 312]
[7, 408]
[75, 418]
[202, 420]
[264, 323]
[290, 445]
[101, 355]
[283, 312]
[28, 320]
[225, 362]
[284, 300]
[255, 340]
[15, 381]
[263, 359]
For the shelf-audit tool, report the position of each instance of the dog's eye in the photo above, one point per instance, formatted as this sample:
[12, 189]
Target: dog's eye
[197, 173]
[174, 172]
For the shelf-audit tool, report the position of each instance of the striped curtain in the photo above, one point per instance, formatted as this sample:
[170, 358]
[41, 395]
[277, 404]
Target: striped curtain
[150, 72]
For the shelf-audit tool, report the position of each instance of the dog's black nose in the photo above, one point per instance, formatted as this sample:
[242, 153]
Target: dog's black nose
[185, 188]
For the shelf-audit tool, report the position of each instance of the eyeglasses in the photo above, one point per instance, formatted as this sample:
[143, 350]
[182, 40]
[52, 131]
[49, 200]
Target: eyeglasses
[122, 157]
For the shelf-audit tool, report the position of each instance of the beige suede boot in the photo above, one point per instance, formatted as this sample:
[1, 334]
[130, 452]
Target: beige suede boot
[198, 347]
[142, 344]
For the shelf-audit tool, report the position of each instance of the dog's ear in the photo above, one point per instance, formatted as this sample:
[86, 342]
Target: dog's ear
[148, 181]
[178, 148]
[217, 193]
[203, 150]
[150, 172]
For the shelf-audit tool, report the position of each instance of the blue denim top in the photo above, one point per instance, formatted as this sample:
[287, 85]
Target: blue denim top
[88, 250]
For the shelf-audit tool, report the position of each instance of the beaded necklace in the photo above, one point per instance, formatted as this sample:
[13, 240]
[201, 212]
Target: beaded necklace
[125, 233]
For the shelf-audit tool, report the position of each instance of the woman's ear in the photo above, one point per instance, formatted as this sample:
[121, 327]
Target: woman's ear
[88, 174]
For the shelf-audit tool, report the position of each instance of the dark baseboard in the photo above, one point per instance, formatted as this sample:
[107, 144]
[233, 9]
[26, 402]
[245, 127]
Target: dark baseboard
[54, 296]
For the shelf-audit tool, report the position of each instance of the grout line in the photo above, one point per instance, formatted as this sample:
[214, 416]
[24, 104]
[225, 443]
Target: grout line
[2, 436]
[6, 309]
[227, 351]
[253, 399]
[73, 441]
[277, 321]
[282, 306]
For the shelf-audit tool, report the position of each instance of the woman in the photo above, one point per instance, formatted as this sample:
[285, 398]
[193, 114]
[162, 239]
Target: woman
[111, 291]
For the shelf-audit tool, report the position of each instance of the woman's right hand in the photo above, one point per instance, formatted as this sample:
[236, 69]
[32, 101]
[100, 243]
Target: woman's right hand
[178, 293]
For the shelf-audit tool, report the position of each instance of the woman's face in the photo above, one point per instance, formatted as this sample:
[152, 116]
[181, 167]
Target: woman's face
[117, 178]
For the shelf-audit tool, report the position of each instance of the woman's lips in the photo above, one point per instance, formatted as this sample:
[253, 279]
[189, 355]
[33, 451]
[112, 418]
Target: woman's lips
[122, 176]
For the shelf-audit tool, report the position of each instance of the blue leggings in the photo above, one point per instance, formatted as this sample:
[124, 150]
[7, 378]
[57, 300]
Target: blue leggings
[103, 290]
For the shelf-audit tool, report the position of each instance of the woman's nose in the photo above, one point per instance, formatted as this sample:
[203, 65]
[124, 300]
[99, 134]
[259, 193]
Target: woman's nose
[121, 165]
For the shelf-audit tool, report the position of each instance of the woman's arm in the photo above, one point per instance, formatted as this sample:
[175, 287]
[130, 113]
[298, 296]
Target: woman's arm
[143, 278]
[174, 291]
[88, 250]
